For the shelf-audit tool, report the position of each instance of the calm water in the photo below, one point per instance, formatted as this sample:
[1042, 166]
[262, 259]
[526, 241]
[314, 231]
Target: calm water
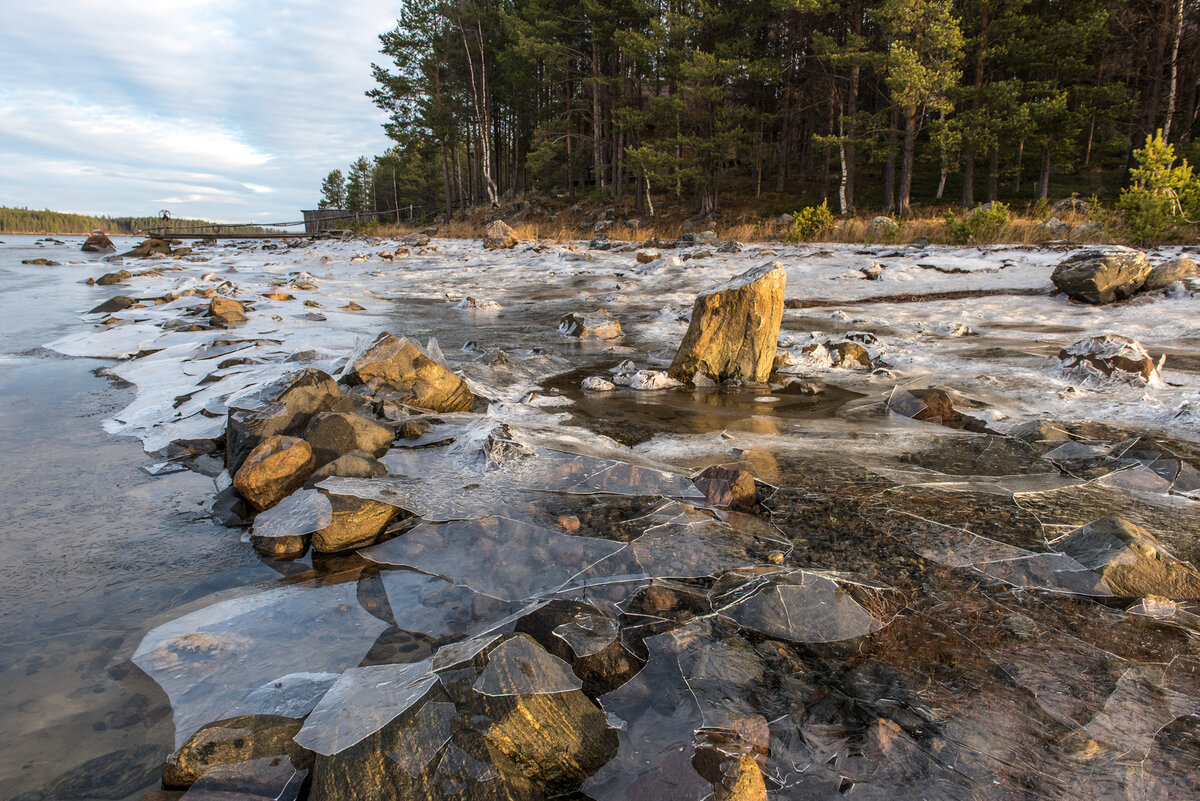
[93, 546]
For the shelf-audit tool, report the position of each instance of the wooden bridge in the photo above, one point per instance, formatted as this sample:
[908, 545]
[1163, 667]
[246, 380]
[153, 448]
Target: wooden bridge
[316, 222]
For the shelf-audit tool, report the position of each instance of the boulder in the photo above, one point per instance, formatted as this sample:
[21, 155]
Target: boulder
[590, 325]
[1055, 227]
[334, 434]
[395, 364]
[873, 271]
[356, 464]
[734, 329]
[226, 312]
[108, 279]
[727, 488]
[646, 256]
[284, 406]
[1097, 360]
[1131, 560]
[113, 304]
[499, 235]
[882, 227]
[848, 355]
[357, 522]
[150, 247]
[274, 470]
[97, 242]
[732, 246]
[1163, 275]
[235, 740]
[1101, 274]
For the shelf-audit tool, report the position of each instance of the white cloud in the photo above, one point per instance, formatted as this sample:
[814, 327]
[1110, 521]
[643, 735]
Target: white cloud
[257, 102]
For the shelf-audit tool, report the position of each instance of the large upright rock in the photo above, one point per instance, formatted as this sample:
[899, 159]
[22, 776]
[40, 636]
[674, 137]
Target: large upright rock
[398, 365]
[1131, 561]
[1102, 274]
[284, 406]
[98, 241]
[335, 434]
[734, 331]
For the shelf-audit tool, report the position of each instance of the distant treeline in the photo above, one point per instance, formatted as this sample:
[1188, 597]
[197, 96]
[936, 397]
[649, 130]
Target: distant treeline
[31, 221]
[866, 103]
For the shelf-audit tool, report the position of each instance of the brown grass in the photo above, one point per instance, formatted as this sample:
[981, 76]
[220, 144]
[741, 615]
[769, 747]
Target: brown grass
[1025, 229]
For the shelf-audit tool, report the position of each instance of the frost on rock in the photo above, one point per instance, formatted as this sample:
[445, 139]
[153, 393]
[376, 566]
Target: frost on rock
[213, 659]
[1102, 361]
[597, 384]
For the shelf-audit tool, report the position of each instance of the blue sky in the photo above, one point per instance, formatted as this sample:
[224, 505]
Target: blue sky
[225, 110]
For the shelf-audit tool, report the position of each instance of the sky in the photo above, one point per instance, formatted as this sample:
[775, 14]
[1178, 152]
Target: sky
[217, 109]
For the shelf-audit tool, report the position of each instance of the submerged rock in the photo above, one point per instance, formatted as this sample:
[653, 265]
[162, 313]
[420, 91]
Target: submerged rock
[334, 434]
[226, 312]
[599, 324]
[586, 639]
[734, 330]
[284, 406]
[96, 242]
[1102, 274]
[1131, 560]
[499, 235]
[231, 741]
[1109, 358]
[357, 522]
[396, 364]
[273, 470]
[727, 488]
[848, 355]
[1167, 273]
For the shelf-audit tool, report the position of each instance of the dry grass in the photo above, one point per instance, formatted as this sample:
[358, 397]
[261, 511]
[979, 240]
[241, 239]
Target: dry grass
[930, 225]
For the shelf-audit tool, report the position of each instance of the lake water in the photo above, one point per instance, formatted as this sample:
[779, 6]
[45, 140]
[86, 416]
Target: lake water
[893, 620]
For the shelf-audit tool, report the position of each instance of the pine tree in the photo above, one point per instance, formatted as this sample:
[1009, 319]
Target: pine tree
[333, 191]
[359, 185]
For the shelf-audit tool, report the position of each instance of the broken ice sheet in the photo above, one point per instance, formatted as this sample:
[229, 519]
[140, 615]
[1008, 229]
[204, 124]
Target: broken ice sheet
[421, 740]
[656, 715]
[1019, 567]
[803, 606]
[497, 556]
[1139, 707]
[438, 608]
[519, 666]
[361, 702]
[211, 660]
[302, 512]
[588, 633]
[274, 778]
[291, 696]
[693, 549]
[458, 771]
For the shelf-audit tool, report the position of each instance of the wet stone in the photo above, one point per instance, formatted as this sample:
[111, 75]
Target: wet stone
[235, 740]
[335, 434]
[1102, 275]
[357, 522]
[599, 324]
[396, 364]
[355, 464]
[728, 488]
[108, 279]
[284, 406]
[113, 304]
[273, 470]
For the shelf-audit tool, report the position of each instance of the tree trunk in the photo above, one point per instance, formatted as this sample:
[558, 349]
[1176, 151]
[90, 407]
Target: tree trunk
[597, 151]
[1044, 177]
[1178, 34]
[446, 180]
[993, 173]
[906, 165]
[849, 152]
[1017, 172]
[889, 167]
[968, 187]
